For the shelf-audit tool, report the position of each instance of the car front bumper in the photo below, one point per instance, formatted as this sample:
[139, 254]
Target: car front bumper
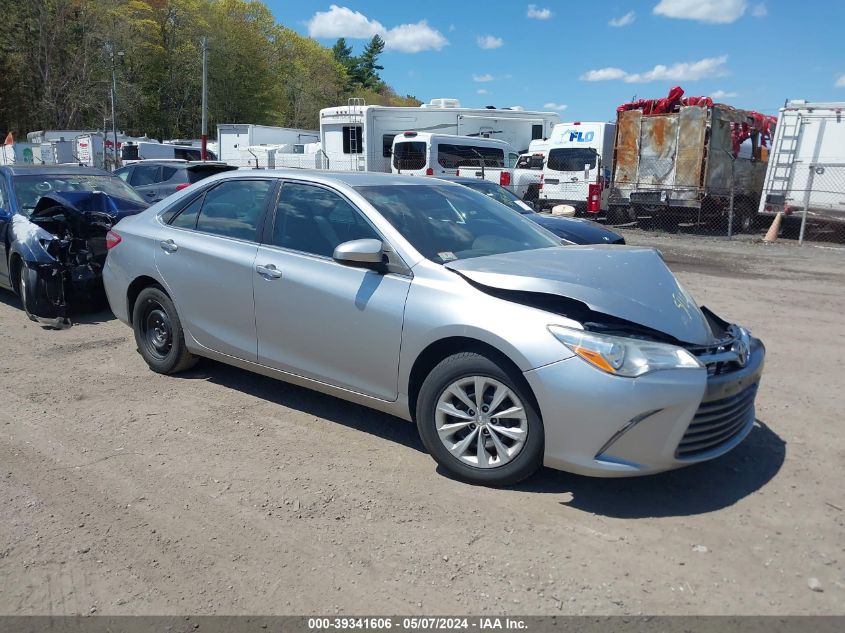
[608, 426]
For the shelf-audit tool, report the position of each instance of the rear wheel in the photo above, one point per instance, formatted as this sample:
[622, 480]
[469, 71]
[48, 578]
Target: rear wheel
[744, 218]
[158, 333]
[479, 422]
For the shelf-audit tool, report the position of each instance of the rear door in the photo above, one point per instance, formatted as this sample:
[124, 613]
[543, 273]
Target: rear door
[206, 257]
[315, 317]
[145, 180]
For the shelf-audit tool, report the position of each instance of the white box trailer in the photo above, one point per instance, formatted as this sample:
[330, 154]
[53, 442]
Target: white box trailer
[233, 137]
[58, 152]
[807, 162]
[358, 137]
[578, 154]
[18, 154]
[90, 150]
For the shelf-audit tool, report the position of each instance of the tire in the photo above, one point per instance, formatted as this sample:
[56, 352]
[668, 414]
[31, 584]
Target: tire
[26, 285]
[744, 219]
[510, 449]
[158, 333]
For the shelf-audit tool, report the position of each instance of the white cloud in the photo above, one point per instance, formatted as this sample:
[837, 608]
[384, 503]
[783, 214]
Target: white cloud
[344, 22]
[760, 10]
[489, 41]
[414, 38]
[482, 91]
[603, 74]
[840, 81]
[483, 78]
[722, 94]
[682, 71]
[560, 107]
[537, 13]
[625, 20]
[710, 11]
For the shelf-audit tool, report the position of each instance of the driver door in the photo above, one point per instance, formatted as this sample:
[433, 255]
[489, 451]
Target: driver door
[315, 317]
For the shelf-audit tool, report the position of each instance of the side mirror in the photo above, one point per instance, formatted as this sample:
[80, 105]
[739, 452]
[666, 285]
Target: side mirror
[367, 253]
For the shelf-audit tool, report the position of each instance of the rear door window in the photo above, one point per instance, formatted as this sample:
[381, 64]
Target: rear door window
[144, 175]
[411, 155]
[571, 158]
[455, 156]
[234, 208]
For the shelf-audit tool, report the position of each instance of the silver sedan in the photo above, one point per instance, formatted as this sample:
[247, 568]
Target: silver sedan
[437, 304]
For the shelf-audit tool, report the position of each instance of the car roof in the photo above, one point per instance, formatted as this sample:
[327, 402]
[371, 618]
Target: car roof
[54, 170]
[349, 178]
[180, 162]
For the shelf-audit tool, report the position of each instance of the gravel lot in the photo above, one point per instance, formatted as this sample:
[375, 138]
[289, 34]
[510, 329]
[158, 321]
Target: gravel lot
[126, 492]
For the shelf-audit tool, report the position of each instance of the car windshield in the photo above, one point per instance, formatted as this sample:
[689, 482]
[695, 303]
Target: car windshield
[447, 222]
[29, 189]
[499, 194]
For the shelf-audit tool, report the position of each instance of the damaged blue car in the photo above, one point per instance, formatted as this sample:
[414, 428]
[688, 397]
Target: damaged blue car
[53, 226]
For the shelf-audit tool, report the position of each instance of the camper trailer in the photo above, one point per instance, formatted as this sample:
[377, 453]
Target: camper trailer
[807, 163]
[358, 137]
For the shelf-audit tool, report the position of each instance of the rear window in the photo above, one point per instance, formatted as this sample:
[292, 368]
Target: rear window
[572, 158]
[534, 161]
[455, 156]
[195, 174]
[410, 155]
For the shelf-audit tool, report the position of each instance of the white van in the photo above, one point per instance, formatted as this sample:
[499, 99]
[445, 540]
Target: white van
[426, 154]
[578, 155]
[132, 152]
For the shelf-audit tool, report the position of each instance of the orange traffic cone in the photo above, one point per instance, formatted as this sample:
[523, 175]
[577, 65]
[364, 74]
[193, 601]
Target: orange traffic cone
[774, 229]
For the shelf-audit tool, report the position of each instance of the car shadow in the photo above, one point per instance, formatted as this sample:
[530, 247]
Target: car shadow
[308, 401]
[696, 489]
[82, 315]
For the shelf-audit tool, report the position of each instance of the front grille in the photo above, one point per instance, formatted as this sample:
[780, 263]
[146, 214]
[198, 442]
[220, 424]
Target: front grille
[716, 423]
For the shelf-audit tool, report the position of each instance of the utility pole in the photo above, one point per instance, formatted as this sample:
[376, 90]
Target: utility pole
[204, 131]
[111, 53]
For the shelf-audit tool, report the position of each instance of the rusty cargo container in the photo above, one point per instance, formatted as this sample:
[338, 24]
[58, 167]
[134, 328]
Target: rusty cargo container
[680, 167]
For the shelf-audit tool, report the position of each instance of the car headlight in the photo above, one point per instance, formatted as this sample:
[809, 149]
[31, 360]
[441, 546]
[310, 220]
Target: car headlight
[622, 356]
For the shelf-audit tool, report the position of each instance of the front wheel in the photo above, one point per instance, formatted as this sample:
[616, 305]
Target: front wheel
[479, 422]
[158, 333]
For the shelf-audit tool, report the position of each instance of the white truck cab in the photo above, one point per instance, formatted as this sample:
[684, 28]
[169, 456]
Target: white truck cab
[577, 169]
[427, 154]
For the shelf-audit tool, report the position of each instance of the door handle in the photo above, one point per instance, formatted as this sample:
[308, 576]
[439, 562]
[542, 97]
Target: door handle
[168, 245]
[269, 271]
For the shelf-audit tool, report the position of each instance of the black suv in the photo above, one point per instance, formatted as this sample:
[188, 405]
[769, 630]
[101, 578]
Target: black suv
[157, 179]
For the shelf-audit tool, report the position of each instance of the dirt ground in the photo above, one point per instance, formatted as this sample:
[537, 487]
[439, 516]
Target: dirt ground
[126, 492]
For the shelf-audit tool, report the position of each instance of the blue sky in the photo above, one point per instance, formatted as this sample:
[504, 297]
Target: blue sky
[585, 58]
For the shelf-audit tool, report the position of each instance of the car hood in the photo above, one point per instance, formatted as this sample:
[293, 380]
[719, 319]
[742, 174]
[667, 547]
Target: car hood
[576, 230]
[625, 282]
[82, 202]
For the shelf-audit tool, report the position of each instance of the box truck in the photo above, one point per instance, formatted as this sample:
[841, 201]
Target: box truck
[807, 162]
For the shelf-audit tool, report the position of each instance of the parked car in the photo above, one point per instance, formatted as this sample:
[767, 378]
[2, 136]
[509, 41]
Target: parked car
[53, 225]
[157, 179]
[430, 301]
[574, 230]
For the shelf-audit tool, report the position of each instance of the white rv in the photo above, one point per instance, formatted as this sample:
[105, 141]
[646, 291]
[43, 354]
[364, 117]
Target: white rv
[359, 137]
[425, 154]
[232, 138]
[578, 155]
[807, 162]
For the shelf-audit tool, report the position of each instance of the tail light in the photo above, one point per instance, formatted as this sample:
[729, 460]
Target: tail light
[112, 239]
[457, 172]
[182, 185]
[541, 181]
[429, 172]
[594, 197]
[505, 178]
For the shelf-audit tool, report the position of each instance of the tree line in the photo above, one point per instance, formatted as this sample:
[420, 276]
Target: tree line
[57, 58]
